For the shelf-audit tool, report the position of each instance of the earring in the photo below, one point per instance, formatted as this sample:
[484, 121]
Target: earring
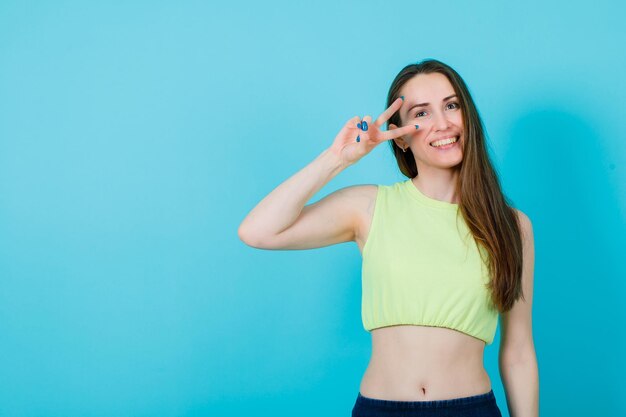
[403, 149]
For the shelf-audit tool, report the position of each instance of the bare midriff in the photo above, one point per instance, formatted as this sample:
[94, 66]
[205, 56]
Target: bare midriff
[423, 363]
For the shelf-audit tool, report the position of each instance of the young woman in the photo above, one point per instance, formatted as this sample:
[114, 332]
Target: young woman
[444, 253]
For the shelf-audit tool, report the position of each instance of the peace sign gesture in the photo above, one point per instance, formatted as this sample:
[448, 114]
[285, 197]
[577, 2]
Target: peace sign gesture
[350, 151]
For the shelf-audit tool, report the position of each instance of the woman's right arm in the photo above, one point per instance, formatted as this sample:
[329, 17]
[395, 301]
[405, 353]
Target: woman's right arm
[282, 221]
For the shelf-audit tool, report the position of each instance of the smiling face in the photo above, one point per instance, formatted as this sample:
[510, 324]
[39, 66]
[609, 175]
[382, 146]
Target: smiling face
[431, 103]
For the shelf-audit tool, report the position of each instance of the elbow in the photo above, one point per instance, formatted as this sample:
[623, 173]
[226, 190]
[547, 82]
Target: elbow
[524, 356]
[244, 235]
[248, 238]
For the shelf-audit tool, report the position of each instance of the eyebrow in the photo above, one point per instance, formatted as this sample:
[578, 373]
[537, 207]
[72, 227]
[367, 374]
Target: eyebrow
[427, 104]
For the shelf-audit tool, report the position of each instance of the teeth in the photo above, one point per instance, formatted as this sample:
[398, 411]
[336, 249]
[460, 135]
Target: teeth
[444, 141]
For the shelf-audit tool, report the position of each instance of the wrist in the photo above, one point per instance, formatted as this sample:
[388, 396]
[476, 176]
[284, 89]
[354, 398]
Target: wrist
[332, 160]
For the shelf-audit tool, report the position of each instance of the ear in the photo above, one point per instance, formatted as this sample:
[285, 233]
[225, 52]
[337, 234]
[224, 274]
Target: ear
[399, 140]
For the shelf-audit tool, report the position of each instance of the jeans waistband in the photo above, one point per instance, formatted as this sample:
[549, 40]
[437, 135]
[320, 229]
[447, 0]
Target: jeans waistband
[450, 403]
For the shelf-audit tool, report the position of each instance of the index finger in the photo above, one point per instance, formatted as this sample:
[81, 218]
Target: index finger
[384, 116]
[399, 131]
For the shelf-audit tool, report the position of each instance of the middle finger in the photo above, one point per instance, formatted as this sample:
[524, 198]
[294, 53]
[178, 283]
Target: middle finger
[384, 116]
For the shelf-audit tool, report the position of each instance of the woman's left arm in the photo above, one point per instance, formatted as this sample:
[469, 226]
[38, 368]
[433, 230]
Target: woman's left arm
[517, 359]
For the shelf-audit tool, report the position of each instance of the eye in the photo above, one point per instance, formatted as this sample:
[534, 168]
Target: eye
[453, 102]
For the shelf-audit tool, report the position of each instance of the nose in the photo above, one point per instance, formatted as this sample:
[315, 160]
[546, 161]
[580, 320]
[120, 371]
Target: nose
[440, 121]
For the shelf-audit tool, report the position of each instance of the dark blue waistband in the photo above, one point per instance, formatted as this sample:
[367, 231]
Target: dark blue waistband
[450, 403]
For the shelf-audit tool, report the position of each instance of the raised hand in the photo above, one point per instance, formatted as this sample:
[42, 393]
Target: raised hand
[350, 151]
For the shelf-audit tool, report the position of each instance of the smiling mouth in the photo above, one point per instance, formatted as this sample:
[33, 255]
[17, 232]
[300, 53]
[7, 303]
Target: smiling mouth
[445, 143]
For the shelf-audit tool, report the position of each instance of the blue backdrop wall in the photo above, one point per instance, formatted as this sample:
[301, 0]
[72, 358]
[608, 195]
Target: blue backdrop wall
[135, 136]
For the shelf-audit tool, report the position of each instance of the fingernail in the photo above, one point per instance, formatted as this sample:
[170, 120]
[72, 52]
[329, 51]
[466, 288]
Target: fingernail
[402, 97]
[364, 126]
[358, 138]
[417, 126]
[359, 125]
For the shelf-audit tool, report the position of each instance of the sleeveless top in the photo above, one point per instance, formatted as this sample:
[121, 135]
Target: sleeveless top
[422, 266]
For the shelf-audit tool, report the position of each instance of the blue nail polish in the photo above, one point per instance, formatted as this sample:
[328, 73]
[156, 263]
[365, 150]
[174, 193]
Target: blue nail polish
[364, 126]
[358, 138]
[358, 125]
[417, 126]
[402, 97]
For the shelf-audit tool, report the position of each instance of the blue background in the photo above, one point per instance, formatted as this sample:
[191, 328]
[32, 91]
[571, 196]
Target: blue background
[136, 135]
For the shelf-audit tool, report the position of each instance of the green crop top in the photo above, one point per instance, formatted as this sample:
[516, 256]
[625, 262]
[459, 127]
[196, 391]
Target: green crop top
[422, 266]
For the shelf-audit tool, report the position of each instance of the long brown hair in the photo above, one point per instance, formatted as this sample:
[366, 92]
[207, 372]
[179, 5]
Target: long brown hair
[487, 211]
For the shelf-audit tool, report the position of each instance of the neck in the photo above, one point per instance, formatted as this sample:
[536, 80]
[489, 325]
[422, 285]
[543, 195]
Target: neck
[439, 184]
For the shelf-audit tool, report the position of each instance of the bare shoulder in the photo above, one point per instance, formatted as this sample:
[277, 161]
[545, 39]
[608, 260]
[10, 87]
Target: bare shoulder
[363, 195]
[360, 197]
[363, 198]
[525, 224]
[522, 216]
[362, 192]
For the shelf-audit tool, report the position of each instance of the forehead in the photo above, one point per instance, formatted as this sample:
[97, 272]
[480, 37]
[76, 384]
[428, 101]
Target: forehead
[427, 87]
